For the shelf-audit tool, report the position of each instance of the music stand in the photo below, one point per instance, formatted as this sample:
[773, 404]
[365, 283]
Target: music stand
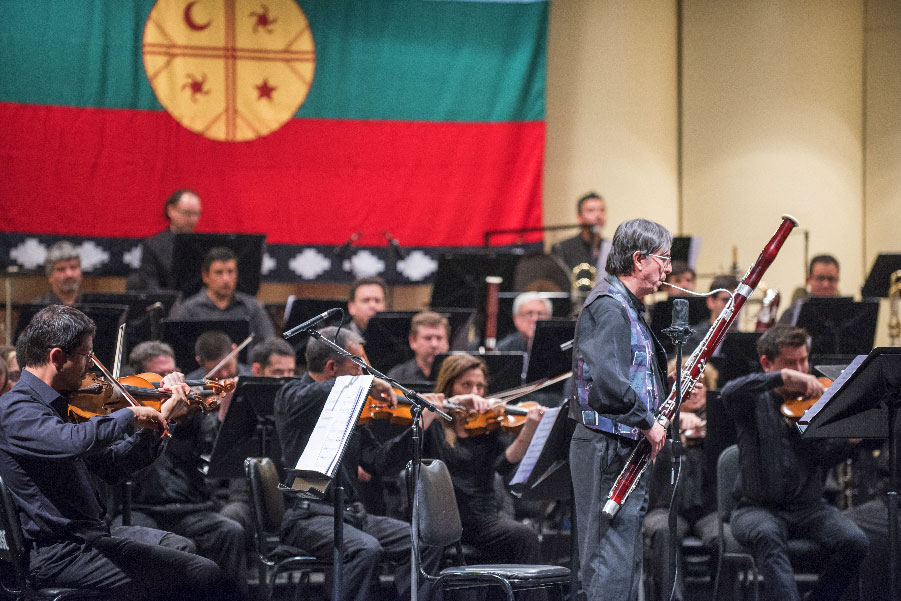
[863, 403]
[461, 320]
[298, 310]
[189, 250]
[686, 248]
[739, 356]
[143, 321]
[248, 429]
[504, 369]
[183, 333]
[880, 275]
[108, 318]
[545, 359]
[839, 326]
[460, 277]
[387, 339]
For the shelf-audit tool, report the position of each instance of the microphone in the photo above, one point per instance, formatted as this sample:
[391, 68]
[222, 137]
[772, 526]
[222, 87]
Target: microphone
[680, 313]
[395, 246]
[310, 323]
[342, 250]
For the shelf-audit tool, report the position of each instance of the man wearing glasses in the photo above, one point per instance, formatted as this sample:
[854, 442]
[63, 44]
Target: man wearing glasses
[182, 210]
[618, 369]
[822, 281]
[48, 464]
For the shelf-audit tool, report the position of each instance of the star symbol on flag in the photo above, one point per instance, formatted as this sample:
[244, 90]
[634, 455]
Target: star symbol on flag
[264, 90]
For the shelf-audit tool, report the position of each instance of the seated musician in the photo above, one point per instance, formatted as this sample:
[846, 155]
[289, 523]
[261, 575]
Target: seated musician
[152, 356]
[696, 497]
[63, 267]
[473, 461]
[822, 281]
[47, 463]
[716, 303]
[528, 308]
[682, 276]
[182, 210]
[429, 336]
[219, 298]
[209, 350]
[591, 214]
[13, 373]
[309, 525]
[367, 297]
[174, 495]
[273, 358]
[782, 475]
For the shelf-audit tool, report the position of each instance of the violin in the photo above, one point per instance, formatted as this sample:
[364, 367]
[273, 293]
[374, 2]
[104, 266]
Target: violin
[793, 409]
[508, 418]
[376, 408]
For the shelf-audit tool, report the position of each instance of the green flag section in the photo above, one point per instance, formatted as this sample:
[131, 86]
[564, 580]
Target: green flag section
[421, 118]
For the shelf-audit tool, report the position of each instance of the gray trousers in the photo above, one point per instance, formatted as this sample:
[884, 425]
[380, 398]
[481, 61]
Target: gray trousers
[609, 550]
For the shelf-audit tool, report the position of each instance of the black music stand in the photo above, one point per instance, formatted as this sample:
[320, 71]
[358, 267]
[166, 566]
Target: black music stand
[662, 317]
[739, 357]
[839, 326]
[108, 318]
[545, 359]
[248, 429]
[461, 320]
[863, 403]
[880, 275]
[387, 339]
[504, 369]
[298, 310]
[189, 250]
[183, 333]
[144, 314]
[686, 248]
[460, 277]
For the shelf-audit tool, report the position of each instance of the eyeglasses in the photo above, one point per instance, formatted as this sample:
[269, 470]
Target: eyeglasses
[665, 258]
[825, 278]
[85, 354]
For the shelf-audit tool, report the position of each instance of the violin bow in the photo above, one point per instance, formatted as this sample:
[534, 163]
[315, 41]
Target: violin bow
[121, 388]
[226, 358]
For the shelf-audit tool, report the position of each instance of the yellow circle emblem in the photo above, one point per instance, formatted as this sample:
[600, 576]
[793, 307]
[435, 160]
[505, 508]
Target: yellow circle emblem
[230, 70]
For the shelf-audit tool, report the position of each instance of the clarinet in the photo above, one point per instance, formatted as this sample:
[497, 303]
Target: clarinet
[694, 367]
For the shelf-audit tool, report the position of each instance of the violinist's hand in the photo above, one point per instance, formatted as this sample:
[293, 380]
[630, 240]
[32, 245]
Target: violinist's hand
[689, 421]
[169, 380]
[383, 390]
[657, 437]
[472, 402]
[363, 475]
[177, 403]
[147, 417]
[799, 383]
[532, 421]
[437, 399]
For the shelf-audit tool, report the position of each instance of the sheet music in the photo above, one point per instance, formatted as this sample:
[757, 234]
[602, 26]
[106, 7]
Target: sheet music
[320, 459]
[536, 445]
[831, 391]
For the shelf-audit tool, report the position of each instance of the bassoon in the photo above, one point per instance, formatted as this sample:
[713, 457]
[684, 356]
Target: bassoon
[694, 366]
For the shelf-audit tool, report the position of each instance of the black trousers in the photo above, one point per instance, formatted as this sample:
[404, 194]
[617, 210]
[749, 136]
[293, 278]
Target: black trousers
[133, 563]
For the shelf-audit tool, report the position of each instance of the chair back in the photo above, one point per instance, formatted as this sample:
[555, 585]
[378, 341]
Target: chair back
[266, 501]
[13, 553]
[436, 519]
[727, 470]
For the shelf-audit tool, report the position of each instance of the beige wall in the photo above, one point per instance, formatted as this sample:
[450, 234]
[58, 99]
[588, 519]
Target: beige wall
[788, 106]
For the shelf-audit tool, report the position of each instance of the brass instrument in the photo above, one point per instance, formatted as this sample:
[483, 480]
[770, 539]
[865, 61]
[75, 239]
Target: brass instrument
[894, 300]
[583, 279]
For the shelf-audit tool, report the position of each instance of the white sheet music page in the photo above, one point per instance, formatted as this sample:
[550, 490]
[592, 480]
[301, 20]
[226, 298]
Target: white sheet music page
[339, 415]
[536, 445]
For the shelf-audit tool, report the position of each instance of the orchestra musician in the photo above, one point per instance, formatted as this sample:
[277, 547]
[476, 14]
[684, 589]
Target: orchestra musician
[822, 281]
[273, 358]
[682, 276]
[695, 501]
[429, 337]
[366, 298]
[182, 210]
[309, 525]
[47, 464]
[716, 303]
[473, 461]
[782, 475]
[220, 299]
[528, 308]
[618, 367]
[585, 247]
[63, 267]
[152, 356]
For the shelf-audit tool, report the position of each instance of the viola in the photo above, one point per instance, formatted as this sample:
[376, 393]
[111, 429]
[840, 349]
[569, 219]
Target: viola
[509, 418]
[793, 409]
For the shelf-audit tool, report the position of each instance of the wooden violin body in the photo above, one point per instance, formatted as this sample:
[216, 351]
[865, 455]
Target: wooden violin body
[793, 409]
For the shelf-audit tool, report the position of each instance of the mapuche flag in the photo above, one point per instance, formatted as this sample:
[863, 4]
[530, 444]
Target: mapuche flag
[306, 121]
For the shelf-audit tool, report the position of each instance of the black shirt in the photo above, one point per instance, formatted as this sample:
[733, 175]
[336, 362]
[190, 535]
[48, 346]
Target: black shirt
[408, 372]
[779, 468]
[46, 462]
[155, 271]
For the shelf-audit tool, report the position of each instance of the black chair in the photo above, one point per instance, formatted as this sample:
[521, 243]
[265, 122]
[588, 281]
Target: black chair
[14, 561]
[436, 522]
[268, 509]
[803, 553]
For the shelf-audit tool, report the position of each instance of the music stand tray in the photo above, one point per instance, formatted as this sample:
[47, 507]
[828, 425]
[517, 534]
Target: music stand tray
[839, 326]
[248, 429]
[549, 478]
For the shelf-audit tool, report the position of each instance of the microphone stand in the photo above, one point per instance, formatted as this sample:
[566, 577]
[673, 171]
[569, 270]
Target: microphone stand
[419, 404]
[678, 333]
